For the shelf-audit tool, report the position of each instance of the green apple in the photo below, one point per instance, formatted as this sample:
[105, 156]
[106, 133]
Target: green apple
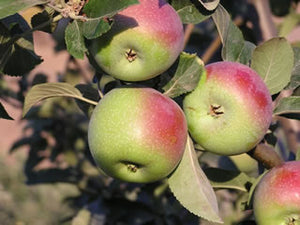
[276, 198]
[145, 40]
[245, 163]
[137, 134]
[230, 110]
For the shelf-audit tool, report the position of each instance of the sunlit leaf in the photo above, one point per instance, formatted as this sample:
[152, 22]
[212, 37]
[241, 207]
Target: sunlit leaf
[298, 155]
[288, 24]
[273, 61]
[83, 217]
[49, 90]
[191, 187]
[210, 5]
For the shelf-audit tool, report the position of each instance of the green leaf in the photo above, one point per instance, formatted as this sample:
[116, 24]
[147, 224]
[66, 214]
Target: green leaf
[105, 8]
[94, 28]
[9, 7]
[75, 40]
[41, 92]
[3, 113]
[83, 217]
[246, 53]
[210, 5]
[273, 61]
[220, 178]
[253, 187]
[231, 36]
[186, 77]
[288, 105]
[191, 187]
[298, 155]
[289, 23]
[188, 12]
[295, 77]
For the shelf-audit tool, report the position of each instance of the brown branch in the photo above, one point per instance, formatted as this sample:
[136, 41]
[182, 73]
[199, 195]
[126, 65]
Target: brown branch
[214, 46]
[188, 32]
[266, 23]
[267, 155]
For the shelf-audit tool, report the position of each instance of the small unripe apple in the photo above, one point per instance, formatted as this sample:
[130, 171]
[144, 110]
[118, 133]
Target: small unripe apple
[137, 134]
[245, 163]
[277, 196]
[230, 110]
[145, 40]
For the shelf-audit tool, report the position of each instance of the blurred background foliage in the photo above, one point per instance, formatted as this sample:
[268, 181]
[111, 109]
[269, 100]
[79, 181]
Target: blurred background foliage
[48, 176]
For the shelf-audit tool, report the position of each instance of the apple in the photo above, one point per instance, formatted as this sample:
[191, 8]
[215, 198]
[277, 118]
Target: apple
[276, 198]
[245, 163]
[145, 40]
[230, 110]
[137, 134]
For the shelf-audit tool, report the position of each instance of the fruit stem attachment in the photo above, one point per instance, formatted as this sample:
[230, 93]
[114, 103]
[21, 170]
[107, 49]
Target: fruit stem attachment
[266, 155]
[132, 168]
[216, 110]
[131, 55]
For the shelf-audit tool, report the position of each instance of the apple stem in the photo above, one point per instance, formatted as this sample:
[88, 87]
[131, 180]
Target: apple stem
[267, 155]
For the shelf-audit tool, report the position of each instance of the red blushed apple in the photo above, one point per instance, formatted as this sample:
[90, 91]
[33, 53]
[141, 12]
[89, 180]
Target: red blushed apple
[144, 41]
[277, 196]
[137, 134]
[230, 110]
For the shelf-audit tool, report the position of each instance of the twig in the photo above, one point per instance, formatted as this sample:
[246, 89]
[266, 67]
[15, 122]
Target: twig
[267, 25]
[213, 47]
[266, 155]
[188, 32]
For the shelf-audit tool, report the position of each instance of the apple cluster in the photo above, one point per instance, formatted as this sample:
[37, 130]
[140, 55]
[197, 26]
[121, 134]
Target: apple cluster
[138, 134]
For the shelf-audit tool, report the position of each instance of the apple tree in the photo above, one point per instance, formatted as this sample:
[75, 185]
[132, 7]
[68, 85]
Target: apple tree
[186, 119]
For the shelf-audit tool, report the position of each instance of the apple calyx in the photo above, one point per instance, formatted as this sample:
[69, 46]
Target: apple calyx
[131, 55]
[216, 110]
[293, 220]
[131, 167]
